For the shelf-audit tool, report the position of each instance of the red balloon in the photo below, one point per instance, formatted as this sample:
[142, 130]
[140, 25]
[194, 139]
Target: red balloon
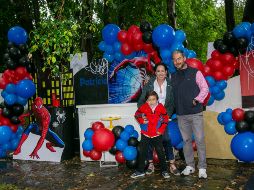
[5, 121]
[133, 29]
[194, 145]
[209, 62]
[122, 36]
[215, 54]
[218, 75]
[3, 83]
[148, 48]
[207, 71]
[95, 155]
[228, 71]
[227, 58]
[195, 63]
[216, 65]
[137, 37]
[119, 157]
[103, 139]
[126, 49]
[138, 46]
[238, 114]
[155, 157]
[13, 127]
[97, 125]
[86, 153]
[20, 72]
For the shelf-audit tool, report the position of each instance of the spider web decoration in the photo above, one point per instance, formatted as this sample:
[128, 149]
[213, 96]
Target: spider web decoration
[99, 66]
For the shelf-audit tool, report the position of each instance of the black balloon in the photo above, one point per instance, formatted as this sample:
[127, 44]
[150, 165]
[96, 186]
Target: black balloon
[133, 141]
[15, 53]
[30, 68]
[10, 45]
[252, 127]
[23, 48]
[23, 61]
[6, 56]
[217, 42]
[10, 64]
[17, 109]
[241, 43]
[6, 112]
[229, 38]
[242, 126]
[234, 51]
[15, 120]
[147, 37]
[117, 131]
[222, 48]
[113, 150]
[132, 164]
[249, 116]
[242, 50]
[145, 26]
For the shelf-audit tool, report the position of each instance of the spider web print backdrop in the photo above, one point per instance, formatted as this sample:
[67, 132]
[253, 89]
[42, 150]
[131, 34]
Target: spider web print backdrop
[126, 85]
[247, 76]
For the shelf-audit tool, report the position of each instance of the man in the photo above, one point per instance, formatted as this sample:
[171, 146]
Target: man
[190, 90]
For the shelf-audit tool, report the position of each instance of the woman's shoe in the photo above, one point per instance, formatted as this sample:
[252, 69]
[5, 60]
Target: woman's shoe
[173, 169]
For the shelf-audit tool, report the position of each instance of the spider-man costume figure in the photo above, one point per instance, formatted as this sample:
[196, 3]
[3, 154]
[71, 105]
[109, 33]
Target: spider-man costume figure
[41, 128]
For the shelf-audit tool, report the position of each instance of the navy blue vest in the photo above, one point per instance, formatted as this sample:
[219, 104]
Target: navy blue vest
[185, 89]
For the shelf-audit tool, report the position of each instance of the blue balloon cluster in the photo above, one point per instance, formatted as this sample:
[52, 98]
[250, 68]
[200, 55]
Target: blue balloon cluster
[225, 119]
[9, 140]
[168, 41]
[175, 134]
[111, 46]
[19, 93]
[17, 35]
[216, 89]
[129, 152]
[87, 145]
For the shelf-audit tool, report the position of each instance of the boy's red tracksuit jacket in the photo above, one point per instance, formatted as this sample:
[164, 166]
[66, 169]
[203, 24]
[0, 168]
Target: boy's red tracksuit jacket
[157, 120]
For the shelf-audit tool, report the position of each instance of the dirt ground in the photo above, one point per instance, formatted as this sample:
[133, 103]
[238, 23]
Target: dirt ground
[76, 175]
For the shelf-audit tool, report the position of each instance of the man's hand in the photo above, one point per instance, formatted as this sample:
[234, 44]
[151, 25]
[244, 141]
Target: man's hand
[194, 102]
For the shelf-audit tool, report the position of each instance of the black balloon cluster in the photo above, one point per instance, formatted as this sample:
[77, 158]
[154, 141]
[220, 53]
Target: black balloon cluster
[16, 55]
[247, 124]
[146, 29]
[231, 44]
[13, 112]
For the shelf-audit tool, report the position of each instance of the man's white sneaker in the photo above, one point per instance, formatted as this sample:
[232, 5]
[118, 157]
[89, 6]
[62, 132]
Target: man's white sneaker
[188, 170]
[202, 173]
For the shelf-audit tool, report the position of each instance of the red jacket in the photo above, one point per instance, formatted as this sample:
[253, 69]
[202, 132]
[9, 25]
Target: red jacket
[157, 120]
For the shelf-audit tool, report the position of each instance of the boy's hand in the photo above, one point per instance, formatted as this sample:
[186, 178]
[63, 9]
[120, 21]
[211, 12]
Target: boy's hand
[145, 119]
[158, 133]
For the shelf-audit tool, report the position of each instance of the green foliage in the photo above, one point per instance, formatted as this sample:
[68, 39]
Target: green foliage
[55, 40]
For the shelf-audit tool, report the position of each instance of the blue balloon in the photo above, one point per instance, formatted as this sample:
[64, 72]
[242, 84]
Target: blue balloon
[109, 33]
[210, 101]
[88, 133]
[118, 56]
[215, 90]
[87, 145]
[242, 146]
[130, 153]
[10, 88]
[4, 94]
[177, 46]
[2, 153]
[222, 84]
[132, 55]
[180, 36]
[6, 146]
[191, 54]
[211, 81]
[134, 134]
[226, 118]
[129, 129]
[230, 128]
[5, 134]
[121, 144]
[219, 118]
[22, 101]
[174, 133]
[165, 54]
[219, 96]
[229, 110]
[117, 46]
[173, 116]
[17, 35]
[109, 57]
[125, 135]
[20, 130]
[102, 46]
[109, 49]
[25, 88]
[163, 35]
[10, 99]
[252, 28]
[241, 30]
[14, 144]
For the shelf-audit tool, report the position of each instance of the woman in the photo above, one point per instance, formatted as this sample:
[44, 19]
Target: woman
[161, 84]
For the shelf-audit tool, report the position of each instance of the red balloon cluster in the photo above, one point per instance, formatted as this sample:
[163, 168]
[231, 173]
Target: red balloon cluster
[14, 76]
[132, 41]
[220, 66]
[93, 154]
[103, 139]
[195, 63]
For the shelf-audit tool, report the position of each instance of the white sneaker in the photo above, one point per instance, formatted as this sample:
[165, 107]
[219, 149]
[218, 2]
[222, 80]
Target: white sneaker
[202, 173]
[188, 170]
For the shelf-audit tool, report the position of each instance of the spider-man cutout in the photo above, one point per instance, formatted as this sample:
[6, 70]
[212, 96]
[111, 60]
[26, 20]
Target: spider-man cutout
[41, 127]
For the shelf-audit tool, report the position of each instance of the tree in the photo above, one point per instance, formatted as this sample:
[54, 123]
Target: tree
[248, 15]
[229, 11]
[171, 13]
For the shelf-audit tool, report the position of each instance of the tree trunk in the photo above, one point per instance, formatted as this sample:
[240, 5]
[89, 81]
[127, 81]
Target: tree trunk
[171, 13]
[105, 13]
[248, 14]
[229, 11]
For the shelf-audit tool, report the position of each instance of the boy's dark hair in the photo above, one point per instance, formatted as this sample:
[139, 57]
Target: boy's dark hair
[152, 93]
